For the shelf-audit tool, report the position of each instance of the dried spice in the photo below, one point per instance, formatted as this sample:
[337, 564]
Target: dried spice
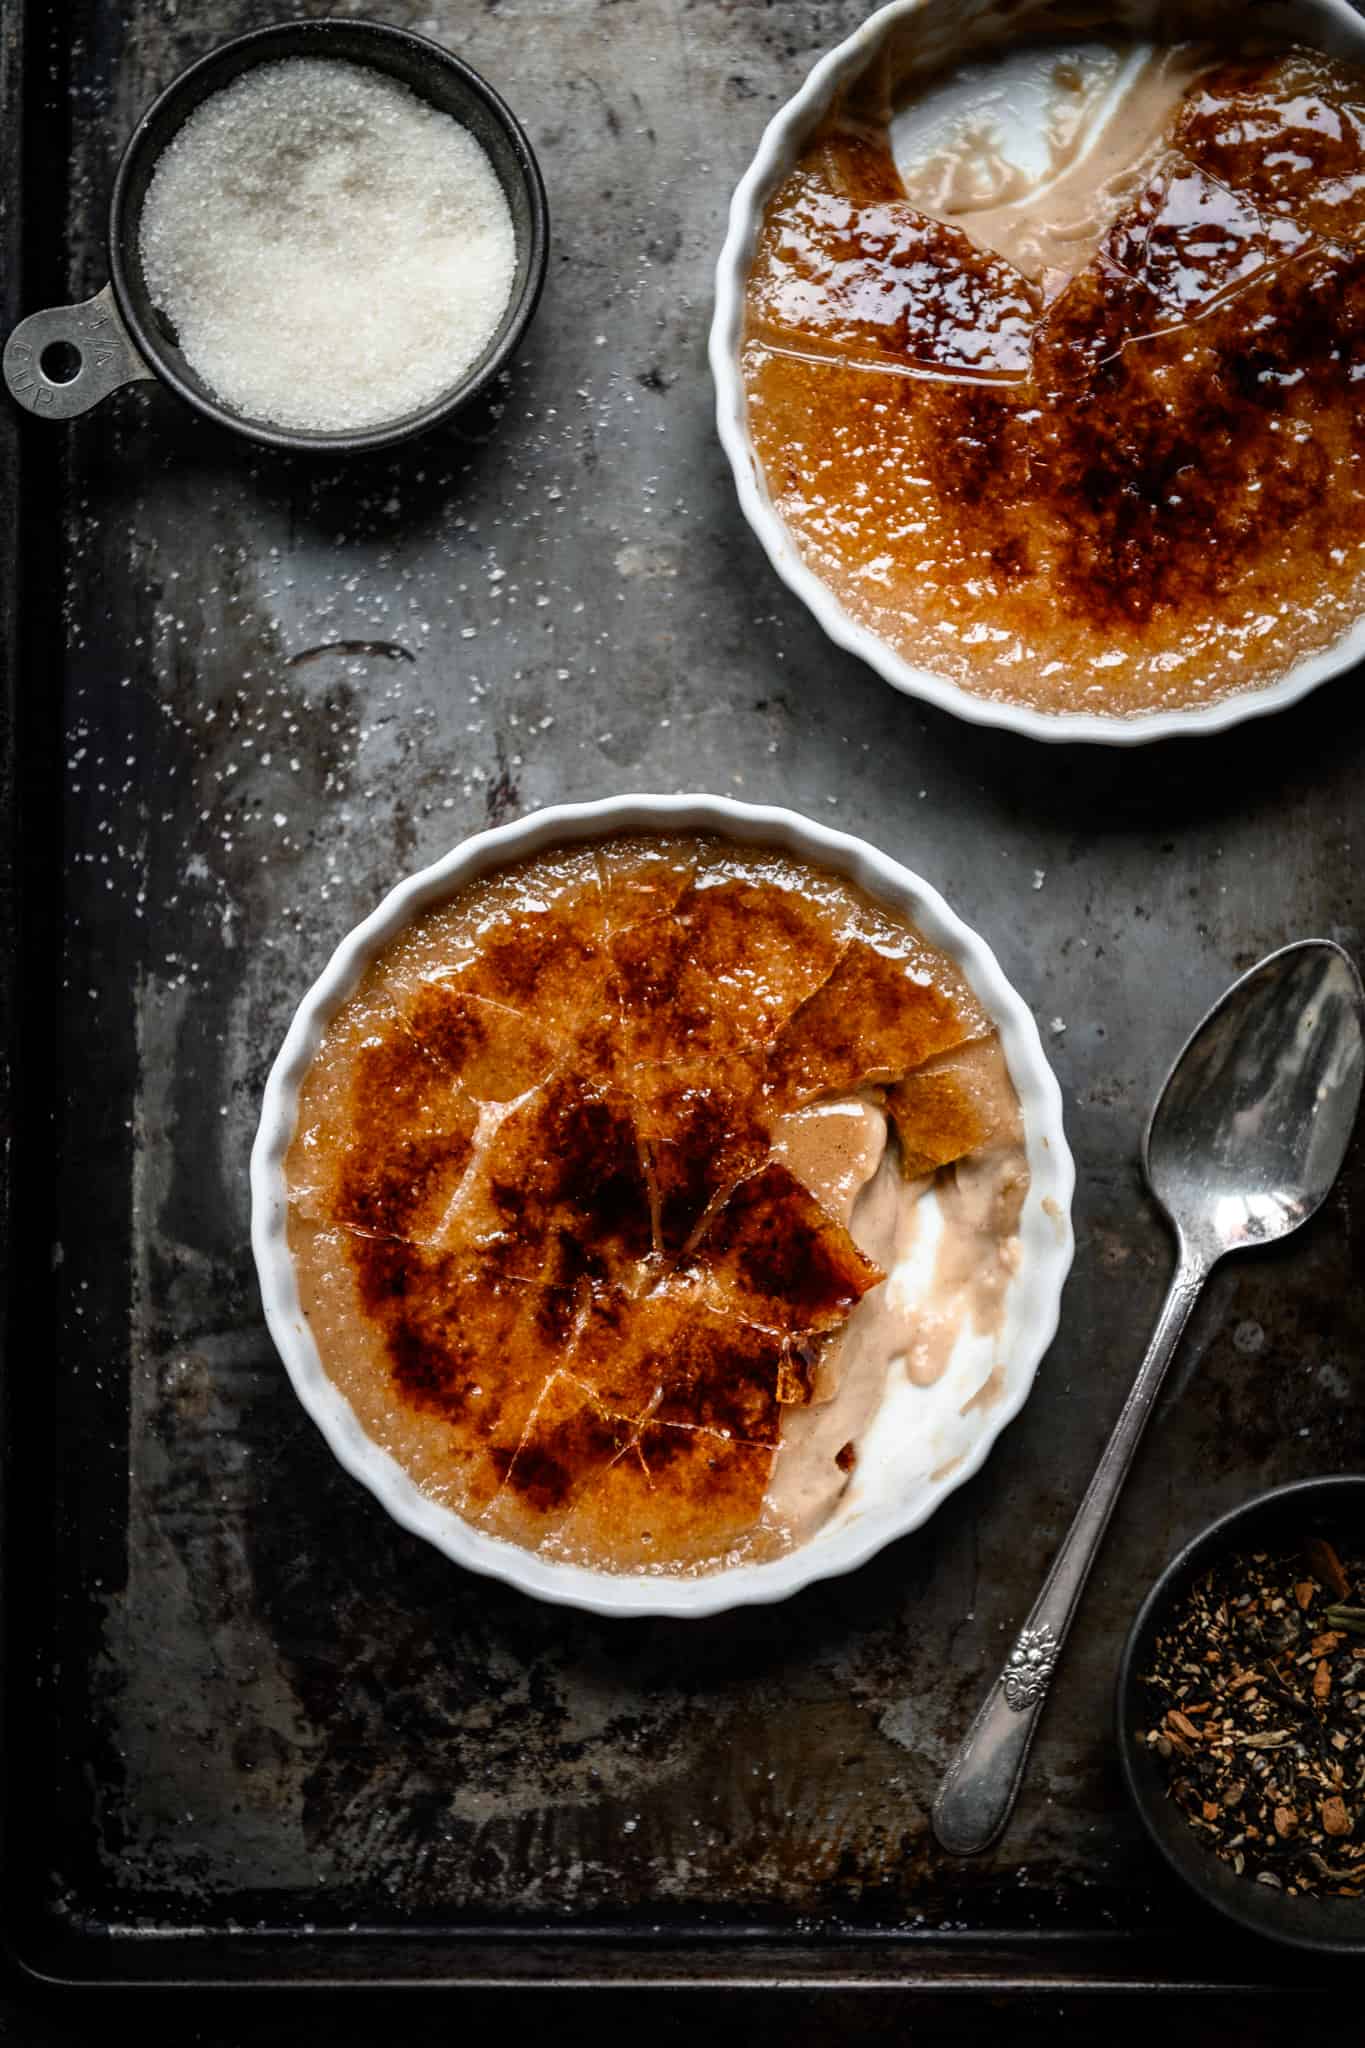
[1258, 1697]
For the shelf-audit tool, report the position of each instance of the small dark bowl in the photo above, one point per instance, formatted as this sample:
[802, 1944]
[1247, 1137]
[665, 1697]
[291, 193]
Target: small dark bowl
[434, 75]
[1288, 1515]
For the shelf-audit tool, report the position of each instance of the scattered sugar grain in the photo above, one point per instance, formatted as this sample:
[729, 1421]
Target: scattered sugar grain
[332, 251]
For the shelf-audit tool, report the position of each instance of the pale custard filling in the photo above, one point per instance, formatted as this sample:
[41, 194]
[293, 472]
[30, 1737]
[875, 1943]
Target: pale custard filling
[843, 1152]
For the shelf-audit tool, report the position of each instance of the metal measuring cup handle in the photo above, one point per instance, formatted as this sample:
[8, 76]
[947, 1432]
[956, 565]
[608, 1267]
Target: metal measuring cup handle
[106, 357]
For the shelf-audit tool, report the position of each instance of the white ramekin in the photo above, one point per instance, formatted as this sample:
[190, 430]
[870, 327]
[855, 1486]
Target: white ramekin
[1331, 24]
[890, 1493]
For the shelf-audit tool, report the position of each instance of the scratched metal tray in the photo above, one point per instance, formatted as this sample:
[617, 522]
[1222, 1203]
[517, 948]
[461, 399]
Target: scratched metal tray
[254, 1732]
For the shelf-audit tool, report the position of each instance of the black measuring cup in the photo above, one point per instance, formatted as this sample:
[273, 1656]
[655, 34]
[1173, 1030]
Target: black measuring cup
[65, 359]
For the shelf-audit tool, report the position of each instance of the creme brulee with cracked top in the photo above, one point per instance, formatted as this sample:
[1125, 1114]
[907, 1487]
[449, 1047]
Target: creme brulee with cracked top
[598, 1179]
[1089, 439]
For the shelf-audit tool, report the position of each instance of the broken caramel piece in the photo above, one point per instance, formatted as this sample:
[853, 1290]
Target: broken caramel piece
[940, 1111]
[1289, 130]
[414, 1107]
[397, 1085]
[412, 1136]
[882, 281]
[1180, 458]
[569, 1439]
[403, 1189]
[495, 1053]
[760, 947]
[663, 1001]
[673, 1357]
[702, 1126]
[936, 1120]
[862, 169]
[680, 1495]
[720, 972]
[1191, 241]
[1078, 350]
[637, 885]
[873, 1019]
[549, 963]
[773, 1256]
[464, 1343]
[560, 1179]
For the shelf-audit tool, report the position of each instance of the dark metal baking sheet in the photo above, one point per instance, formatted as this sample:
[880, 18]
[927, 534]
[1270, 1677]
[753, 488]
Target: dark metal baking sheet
[254, 1731]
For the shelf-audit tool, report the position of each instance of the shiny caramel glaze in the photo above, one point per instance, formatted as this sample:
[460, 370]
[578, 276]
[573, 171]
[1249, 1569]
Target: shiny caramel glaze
[1145, 491]
[544, 1244]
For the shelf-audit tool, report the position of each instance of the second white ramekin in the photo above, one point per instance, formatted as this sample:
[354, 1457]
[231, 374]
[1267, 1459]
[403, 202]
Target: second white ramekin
[1333, 25]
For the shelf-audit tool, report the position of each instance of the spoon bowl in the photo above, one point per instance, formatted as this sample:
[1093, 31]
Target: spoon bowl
[1248, 1134]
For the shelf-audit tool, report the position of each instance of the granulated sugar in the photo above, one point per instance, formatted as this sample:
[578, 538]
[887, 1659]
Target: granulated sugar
[332, 251]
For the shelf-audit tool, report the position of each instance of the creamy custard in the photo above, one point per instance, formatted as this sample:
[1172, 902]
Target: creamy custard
[1085, 436]
[846, 1152]
[1101, 114]
[604, 1180]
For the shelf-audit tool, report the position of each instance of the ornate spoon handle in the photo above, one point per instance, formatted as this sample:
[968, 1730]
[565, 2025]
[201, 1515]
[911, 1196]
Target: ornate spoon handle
[978, 1793]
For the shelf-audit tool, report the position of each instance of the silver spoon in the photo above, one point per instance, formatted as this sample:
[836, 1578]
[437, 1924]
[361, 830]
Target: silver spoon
[1246, 1139]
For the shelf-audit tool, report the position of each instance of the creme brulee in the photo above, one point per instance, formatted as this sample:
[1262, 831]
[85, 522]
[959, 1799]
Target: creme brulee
[1087, 437]
[601, 1185]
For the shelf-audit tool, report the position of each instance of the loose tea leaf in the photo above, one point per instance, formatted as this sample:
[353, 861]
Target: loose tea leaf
[1335, 1819]
[1258, 1691]
[1323, 1560]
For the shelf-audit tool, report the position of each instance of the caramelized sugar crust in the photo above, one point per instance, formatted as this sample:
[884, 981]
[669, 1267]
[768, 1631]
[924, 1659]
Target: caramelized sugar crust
[540, 1234]
[1145, 491]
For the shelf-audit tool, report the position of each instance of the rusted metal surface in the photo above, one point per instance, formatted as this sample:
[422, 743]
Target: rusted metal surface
[246, 1700]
